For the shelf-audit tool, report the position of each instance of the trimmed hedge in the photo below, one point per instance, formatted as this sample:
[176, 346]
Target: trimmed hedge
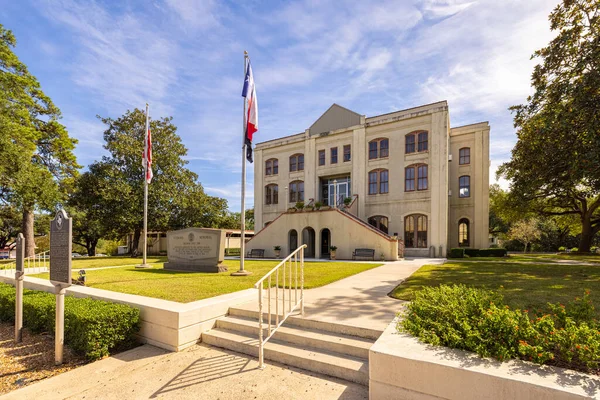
[499, 252]
[457, 252]
[93, 328]
[233, 251]
[460, 252]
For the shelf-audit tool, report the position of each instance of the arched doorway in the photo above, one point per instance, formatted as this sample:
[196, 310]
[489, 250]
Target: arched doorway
[325, 243]
[463, 233]
[308, 238]
[292, 240]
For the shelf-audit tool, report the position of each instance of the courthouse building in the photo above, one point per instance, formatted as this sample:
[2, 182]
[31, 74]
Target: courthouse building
[402, 179]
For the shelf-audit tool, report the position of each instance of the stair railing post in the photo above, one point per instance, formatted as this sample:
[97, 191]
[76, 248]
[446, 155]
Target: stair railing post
[276, 299]
[269, 303]
[260, 329]
[302, 282]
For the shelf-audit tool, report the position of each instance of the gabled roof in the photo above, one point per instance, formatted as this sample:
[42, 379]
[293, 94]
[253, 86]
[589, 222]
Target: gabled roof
[336, 117]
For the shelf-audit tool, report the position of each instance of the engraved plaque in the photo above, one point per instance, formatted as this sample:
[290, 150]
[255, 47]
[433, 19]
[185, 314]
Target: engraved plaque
[20, 252]
[61, 237]
[196, 249]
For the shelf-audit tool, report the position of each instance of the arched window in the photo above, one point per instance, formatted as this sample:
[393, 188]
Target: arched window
[379, 181]
[379, 148]
[464, 156]
[463, 232]
[292, 240]
[415, 231]
[271, 194]
[416, 142]
[380, 222]
[464, 186]
[297, 162]
[272, 167]
[296, 191]
[418, 172]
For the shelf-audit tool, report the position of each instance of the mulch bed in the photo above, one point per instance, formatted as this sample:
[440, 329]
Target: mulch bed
[32, 360]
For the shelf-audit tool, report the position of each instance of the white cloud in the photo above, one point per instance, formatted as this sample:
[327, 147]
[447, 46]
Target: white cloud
[198, 14]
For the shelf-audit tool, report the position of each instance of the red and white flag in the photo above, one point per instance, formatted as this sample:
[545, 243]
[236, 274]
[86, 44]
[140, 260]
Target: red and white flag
[249, 93]
[147, 157]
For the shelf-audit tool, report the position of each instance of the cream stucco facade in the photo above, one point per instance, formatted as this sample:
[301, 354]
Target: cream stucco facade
[401, 169]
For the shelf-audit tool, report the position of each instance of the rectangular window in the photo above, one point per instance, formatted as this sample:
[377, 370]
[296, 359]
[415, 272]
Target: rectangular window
[409, 179]
[464, 186]
[301, 162]
[423, 141]
[333, 155]
[293, 164]
[422, 177]
[383, 182]
[422, 231]
[347, 153]
[300, 191]
[410, 144]
[275, 167]
[372, 150]
[321, 157]
[275, 194]
[464, 156]
[268, 168]
[293, 192]
[383, 148]
[373, 182]
[268, 195]
[409, 232]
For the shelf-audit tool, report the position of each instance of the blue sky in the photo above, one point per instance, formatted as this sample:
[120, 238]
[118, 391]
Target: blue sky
[185, 58]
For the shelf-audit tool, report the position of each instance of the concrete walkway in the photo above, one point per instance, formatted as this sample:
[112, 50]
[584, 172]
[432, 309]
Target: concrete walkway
[360, 300]
[199, 372]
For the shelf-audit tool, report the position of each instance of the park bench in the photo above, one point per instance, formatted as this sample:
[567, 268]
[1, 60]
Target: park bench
[256, 253]
[363, 253]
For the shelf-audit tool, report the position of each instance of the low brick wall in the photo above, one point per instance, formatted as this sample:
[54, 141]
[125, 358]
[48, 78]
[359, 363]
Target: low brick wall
[400, 367]
[166, 324]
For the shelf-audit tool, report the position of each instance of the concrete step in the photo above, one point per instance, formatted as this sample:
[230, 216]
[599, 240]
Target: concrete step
[307, 323]
[334, 342]
[312, 359]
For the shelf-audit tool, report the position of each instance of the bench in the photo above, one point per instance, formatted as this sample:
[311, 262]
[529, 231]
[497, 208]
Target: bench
[256, 253]
[363, 253]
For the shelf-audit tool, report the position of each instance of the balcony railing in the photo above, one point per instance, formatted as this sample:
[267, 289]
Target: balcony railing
[289, 281]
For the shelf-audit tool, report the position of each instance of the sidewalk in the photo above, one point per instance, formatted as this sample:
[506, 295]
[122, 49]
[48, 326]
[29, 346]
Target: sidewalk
[360, 300]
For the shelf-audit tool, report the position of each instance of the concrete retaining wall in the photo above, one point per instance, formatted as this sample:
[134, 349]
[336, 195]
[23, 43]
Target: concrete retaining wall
[166, 324]
[400, 367]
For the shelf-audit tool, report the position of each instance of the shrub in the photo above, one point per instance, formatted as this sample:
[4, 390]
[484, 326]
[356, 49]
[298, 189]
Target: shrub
[478, 320]
[93, 328]
[233, 251]
[574, 250]
[493, 252]
[457, 252]
[472, 252]
[318, 205]
[276, 247]
[347, 201]
[300, 205]
[562, 249]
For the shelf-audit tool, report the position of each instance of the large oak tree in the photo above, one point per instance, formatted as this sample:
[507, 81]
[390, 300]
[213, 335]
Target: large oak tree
[555, 165]
[36, 152]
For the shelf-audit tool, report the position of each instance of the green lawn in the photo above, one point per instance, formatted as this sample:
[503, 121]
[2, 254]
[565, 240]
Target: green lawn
[524, 285]
[185, 287]
[536, 258]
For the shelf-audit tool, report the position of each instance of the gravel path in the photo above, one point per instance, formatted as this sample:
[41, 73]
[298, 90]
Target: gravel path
[30, 361]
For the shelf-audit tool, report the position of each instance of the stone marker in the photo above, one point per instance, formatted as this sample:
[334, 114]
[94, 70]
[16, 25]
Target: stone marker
[20, 270]
[196, 249]
[61, 238]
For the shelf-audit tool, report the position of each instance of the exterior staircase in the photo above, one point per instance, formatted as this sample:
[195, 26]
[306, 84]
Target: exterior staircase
[331, 349]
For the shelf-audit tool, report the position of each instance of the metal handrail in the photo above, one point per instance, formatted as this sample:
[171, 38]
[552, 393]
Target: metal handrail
[290, 260]
[37, 261]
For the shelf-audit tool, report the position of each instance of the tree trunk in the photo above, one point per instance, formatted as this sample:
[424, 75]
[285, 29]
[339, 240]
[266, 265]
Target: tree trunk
[587, 234]
[28, 231]
[136, 242]
[92, 248]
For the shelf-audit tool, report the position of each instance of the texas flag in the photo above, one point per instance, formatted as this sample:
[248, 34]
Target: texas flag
[147, 157]
[249, 93]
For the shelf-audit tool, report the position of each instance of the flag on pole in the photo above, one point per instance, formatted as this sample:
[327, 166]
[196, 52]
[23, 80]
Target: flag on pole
[249, 93]
[147, 157]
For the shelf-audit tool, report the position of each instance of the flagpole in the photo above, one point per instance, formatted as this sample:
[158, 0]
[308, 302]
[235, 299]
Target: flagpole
[145, 248]
[242, 271]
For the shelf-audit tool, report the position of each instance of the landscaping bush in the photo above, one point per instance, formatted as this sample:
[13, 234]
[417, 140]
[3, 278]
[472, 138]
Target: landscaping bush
[574, 250]
[93, 328]
[493, 252]
[472, 252]
[477, 320]
[562, 249]
[233, 251]
[457, 253]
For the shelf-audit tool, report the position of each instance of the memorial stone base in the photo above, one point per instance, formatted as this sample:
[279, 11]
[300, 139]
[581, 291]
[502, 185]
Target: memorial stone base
[195, 267]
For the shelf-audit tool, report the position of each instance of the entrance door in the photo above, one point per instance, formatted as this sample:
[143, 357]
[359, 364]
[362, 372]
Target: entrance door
[325, 243]
[329, 189]
[308, 238]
